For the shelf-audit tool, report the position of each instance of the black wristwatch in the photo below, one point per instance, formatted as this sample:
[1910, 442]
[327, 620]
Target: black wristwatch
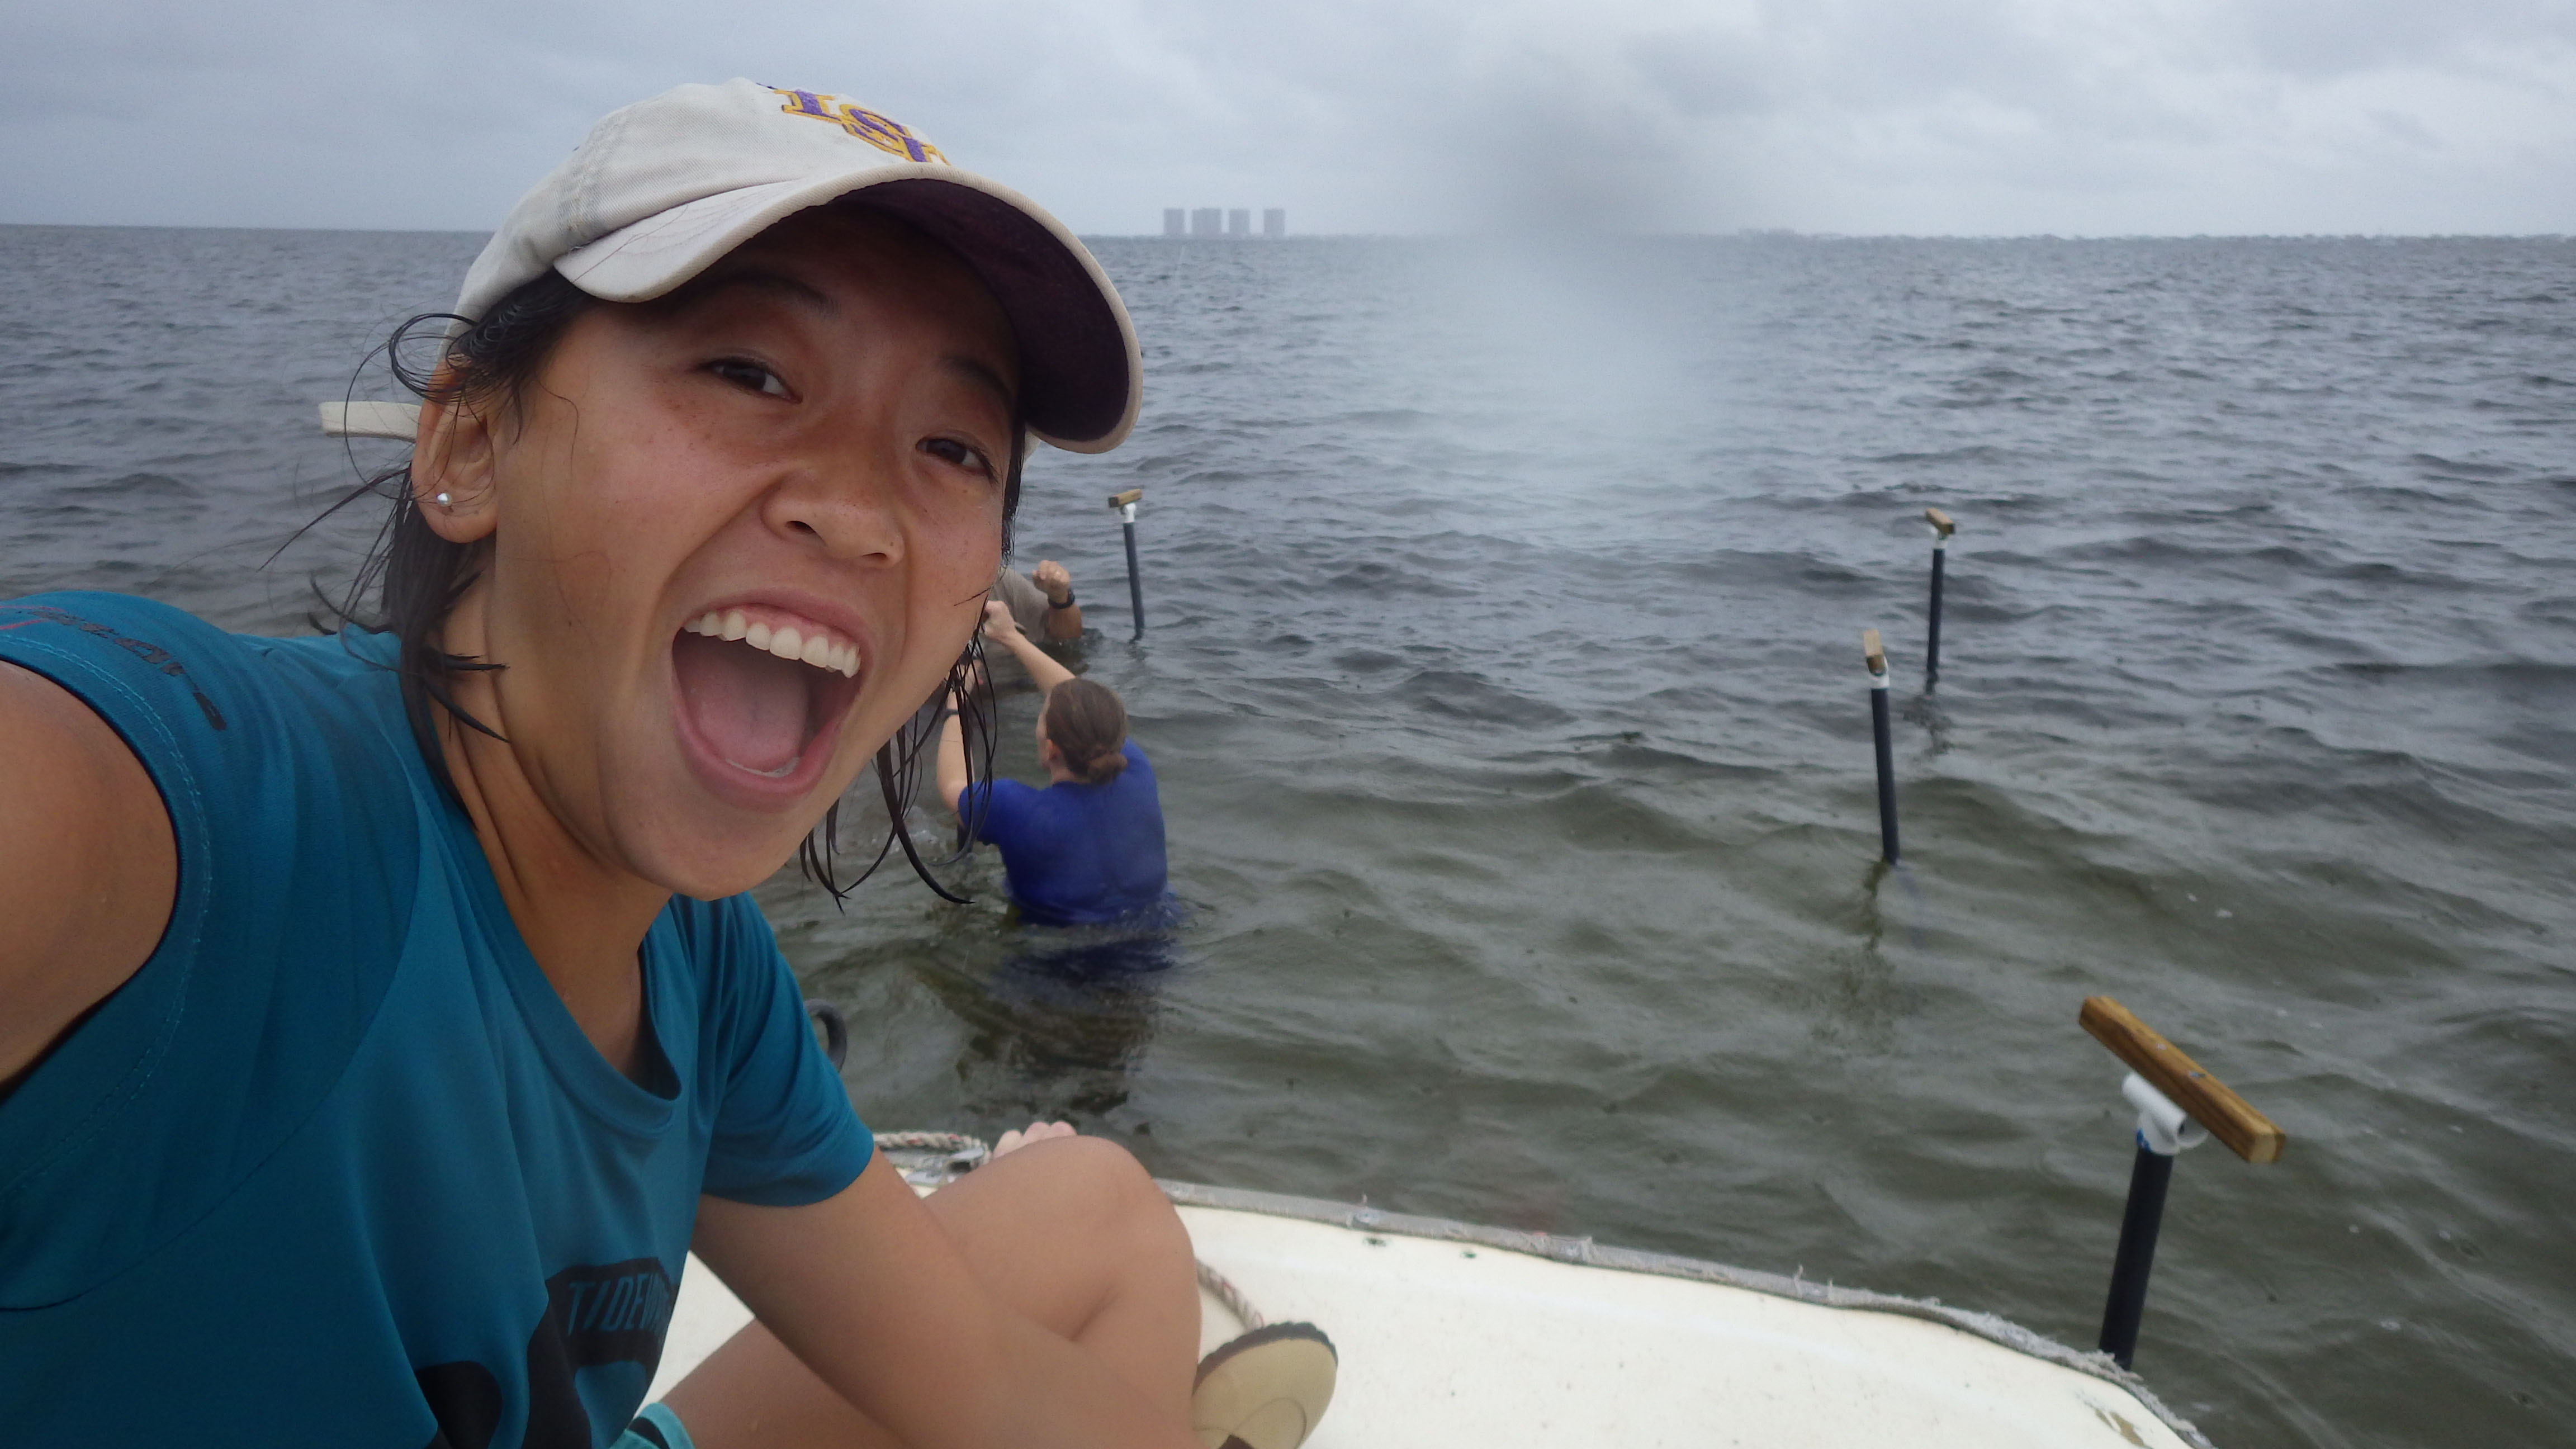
[947, 714]
[1067, 604]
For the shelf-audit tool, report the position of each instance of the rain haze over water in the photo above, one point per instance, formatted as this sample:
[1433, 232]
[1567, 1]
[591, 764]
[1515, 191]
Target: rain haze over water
[1503, 683]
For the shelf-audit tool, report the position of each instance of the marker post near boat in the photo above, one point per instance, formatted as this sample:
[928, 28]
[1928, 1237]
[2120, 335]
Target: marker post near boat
[1942, 528]
[1875, 655]
[1124, 505]
[2179, 1106]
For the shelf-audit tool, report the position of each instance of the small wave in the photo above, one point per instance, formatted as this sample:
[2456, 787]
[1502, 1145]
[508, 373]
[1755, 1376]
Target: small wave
[133, 487]
[1370, 661]
[1383, 418]
[1386, 581]
[2441, 467]
[1460, 695]
[38, 470]
[1981, 453]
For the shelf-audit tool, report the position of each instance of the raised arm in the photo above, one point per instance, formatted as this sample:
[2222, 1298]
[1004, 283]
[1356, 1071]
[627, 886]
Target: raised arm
[952, 753]
[999, 628]
[88, 868]
[1063, 615]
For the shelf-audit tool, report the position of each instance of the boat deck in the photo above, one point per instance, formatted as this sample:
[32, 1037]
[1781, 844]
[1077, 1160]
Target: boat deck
[1452, 1335]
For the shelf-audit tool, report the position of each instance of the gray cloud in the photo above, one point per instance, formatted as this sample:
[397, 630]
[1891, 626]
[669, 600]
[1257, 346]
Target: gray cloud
[1864, 115]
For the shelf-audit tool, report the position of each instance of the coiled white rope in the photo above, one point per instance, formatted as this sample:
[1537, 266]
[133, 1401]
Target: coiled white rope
[1225, 1292]
[964, 1153]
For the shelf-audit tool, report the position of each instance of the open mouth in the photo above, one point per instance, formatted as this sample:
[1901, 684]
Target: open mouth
[759, 691]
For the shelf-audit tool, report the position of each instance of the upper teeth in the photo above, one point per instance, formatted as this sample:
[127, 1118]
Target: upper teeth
[786, 641]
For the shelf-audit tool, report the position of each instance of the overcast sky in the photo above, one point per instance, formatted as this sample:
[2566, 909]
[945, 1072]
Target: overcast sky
[2078, 117]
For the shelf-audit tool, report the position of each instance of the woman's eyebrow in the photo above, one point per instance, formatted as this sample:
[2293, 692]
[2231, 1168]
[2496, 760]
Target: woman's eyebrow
[981, 374]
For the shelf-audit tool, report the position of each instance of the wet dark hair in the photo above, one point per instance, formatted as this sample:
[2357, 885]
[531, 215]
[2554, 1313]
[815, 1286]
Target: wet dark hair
[1087, 725]
[411, 578]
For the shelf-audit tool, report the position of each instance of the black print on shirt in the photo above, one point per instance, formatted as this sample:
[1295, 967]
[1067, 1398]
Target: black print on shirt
[595, 1314]
[150, 653]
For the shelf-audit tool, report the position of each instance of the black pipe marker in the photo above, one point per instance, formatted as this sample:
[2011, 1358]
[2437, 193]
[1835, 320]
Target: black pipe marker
[2137, 1256]
[1876, 657]
[1125, 504]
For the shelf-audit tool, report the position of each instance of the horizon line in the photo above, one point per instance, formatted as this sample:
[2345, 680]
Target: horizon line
[1737, 234]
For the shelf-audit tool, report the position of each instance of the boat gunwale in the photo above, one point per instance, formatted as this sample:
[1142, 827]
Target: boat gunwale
[1584, 1252]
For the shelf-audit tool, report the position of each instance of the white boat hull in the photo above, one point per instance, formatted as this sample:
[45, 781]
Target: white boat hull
[1452, 1335]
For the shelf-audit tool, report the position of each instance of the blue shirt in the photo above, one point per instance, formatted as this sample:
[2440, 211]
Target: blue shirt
[336, 1166]
[1078, 854]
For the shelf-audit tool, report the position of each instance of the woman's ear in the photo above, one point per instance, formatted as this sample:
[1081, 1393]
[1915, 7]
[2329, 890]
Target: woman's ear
[452, 464]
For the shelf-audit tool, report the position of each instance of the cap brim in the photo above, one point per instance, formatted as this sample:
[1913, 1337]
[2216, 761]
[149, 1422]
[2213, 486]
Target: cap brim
[1081, 375]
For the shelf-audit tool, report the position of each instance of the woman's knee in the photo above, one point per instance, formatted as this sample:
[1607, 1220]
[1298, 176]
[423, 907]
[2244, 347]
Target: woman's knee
[1116, 1196]
[1107, 1173]
[1086, 1180]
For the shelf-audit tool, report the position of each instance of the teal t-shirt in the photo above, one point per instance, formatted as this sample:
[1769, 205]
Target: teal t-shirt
[336, 1166]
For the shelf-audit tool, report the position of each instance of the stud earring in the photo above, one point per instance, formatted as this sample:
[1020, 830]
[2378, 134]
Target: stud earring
[443, 501]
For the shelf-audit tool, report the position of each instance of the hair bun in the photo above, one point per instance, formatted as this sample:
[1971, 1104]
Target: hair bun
[1086, 723]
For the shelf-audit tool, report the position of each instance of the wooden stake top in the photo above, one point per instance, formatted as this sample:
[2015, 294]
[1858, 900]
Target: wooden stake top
[1940, 522]
[2229, 1117]
[1121, 500]
[1872, 652]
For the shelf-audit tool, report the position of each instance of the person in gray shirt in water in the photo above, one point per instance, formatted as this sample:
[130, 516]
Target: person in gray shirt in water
[1041, 602]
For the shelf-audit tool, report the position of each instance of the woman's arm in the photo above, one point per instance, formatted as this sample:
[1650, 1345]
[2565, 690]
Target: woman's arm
[88, 867]
[1063, 615]
[1003, 630]
[874, 1296]
[952, 755]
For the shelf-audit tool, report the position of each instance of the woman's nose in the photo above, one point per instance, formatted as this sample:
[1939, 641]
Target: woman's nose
[849, 511]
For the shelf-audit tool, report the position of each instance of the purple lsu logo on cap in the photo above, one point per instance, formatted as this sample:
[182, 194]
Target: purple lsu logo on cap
[886, 135]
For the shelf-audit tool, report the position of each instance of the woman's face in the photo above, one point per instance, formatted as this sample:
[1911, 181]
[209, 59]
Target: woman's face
[802, 453]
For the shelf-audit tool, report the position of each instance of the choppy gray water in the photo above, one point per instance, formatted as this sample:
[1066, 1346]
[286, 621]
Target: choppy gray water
[1504, 686]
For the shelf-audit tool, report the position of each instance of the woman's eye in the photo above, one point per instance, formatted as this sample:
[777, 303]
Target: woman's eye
[749, 374]
[957, 454]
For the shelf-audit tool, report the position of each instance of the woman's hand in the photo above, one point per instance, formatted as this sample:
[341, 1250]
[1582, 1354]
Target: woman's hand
[1004, 630]
[1063, 615]
[1053, 580]
[1016, 1139]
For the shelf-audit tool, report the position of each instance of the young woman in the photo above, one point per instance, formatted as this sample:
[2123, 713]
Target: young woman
[381, 1020]
[1088, 848]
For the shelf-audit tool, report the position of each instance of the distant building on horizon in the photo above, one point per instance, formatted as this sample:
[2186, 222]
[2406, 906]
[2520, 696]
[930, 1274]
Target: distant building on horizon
[1219, 222]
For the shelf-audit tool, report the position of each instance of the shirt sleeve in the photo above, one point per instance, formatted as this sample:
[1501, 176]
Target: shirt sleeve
[785, 1133]
[295, 856]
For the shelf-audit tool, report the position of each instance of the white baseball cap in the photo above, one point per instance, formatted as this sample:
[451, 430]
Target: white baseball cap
[661, 189]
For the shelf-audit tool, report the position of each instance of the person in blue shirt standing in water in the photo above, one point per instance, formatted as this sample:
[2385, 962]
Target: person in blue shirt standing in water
[1088, 848]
